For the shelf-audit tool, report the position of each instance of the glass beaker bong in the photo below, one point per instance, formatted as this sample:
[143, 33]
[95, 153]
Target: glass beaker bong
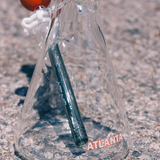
[73, 108]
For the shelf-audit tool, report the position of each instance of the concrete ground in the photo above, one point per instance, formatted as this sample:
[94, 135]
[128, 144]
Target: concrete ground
[132, 33]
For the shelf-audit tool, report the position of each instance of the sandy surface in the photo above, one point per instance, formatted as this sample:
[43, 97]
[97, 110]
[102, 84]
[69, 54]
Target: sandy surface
[132, 33]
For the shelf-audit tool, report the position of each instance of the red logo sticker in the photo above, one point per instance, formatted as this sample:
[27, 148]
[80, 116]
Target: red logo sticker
[107, 142]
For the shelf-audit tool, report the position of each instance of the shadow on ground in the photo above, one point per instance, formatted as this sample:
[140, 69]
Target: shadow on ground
[22, 91]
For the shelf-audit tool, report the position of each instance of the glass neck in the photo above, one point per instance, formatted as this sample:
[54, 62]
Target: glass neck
[70, 20]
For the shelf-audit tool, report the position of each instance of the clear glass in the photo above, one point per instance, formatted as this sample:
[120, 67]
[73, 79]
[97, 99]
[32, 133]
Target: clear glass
[73, 108]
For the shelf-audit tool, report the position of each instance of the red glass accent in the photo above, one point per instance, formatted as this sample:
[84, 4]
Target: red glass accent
[32, 5]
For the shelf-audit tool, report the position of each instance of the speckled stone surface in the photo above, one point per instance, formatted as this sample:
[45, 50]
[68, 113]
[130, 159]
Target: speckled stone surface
[132, 33]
